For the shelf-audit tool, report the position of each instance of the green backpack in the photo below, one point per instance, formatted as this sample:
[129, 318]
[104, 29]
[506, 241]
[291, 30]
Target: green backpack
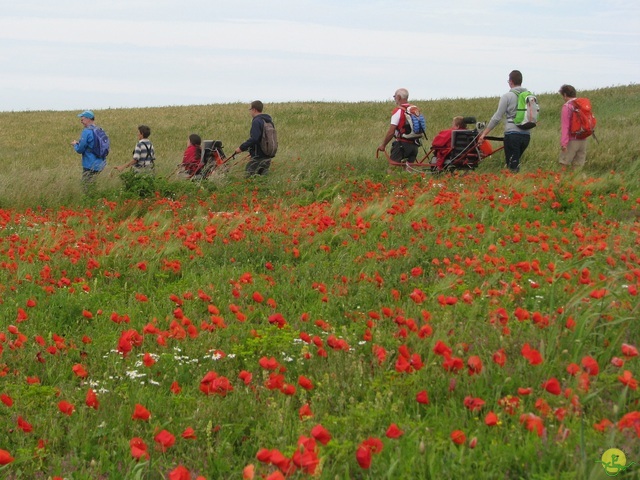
[527, 111]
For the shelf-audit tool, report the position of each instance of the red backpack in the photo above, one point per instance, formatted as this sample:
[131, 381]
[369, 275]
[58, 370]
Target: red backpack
[583, 123]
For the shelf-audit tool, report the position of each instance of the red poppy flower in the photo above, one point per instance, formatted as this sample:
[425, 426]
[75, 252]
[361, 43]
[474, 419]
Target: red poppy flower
[321, 434]
[533, 423]
[138, 449]
[141, 297]
[79, 370]
[66, 407]
[21, 316]
[91, 399]
[288, 389]
[630, 420]
[627, 379]
[148, 360]
[305, 412]
[617, 362]
[474, 365]
[473, 404]
[305, 383]
[5, 457]
[532, 355]
[499, 357]
[393, 431]
[590, 365]
[6, 399]
[363, 456]
[441, 348]
[418, 296]
[268, 363]
[573, 369]
[164, 440]
[452, 364]
[23, 425]
[175, 388]
[491, 419]
[374, 444]
[552, 386]
[140, 413]
[189, 434]
[458, 437]
[249, 472]
[179, 473]
[245, 377]
[422, 397]
[629, 350]
[277, 475]
[87, 314]
[212, 384]
[602, 425]
[306, 457]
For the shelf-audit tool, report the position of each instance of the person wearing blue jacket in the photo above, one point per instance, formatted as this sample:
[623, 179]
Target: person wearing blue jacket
[259, 163]
[91, 164]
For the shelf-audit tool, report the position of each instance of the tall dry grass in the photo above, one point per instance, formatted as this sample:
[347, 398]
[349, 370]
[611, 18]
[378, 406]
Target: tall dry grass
[318, 141]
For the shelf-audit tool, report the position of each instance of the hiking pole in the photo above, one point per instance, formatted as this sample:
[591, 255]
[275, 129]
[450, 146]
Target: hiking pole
[174, 172]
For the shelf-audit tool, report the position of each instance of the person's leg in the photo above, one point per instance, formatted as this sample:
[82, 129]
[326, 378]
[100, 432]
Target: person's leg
[411, 151]
[580, 152]
[263, 166]
[88, 178]
[514, 146]
[397, 151]
[258, 166]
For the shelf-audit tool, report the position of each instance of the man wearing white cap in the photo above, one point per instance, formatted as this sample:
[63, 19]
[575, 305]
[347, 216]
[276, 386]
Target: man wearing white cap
[92, 165]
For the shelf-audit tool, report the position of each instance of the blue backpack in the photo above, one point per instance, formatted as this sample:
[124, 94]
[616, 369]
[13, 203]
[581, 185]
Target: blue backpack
[415, 125]
[101, 143]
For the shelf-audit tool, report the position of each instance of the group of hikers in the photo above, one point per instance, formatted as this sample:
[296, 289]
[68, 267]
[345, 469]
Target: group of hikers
[520, 109]
[407, 127]
[94, 147]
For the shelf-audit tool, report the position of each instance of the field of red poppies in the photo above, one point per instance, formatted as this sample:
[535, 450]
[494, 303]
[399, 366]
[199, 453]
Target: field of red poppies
[412, 328]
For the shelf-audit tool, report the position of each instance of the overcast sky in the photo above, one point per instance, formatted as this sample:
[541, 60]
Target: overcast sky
[70, 54]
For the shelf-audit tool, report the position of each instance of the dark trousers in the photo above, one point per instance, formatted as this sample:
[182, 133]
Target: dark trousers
[258, 166]
[514, 146]
[401, 150]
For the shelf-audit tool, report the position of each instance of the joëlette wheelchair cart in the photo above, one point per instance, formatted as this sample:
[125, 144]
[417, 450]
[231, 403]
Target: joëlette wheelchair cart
[463, 153]
[212, 160]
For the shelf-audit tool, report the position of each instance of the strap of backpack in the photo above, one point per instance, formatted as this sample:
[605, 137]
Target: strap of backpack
[149, 156]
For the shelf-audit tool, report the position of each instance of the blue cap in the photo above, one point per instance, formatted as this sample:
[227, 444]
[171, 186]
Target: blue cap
[87, 114]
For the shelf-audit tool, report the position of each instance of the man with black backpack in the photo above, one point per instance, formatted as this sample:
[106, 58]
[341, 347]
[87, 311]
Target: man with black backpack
[262, 143]
[93, 145]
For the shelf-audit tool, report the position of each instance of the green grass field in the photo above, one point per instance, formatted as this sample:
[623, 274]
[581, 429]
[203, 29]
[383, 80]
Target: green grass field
[330, 320]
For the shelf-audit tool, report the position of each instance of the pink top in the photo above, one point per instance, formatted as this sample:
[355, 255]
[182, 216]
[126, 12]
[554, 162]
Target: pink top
[565, 123]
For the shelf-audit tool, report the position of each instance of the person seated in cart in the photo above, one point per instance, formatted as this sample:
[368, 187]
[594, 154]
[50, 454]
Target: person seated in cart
[192, 155]
[442, 141]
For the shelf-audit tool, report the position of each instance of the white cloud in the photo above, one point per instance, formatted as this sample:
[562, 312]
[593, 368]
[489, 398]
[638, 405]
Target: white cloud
[53, 56]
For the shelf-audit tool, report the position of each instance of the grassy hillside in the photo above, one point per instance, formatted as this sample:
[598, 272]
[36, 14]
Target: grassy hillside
[328, 321]
[39, 167]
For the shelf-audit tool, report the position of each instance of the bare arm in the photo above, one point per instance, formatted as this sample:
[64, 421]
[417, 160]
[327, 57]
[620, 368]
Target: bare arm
[387, 138]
